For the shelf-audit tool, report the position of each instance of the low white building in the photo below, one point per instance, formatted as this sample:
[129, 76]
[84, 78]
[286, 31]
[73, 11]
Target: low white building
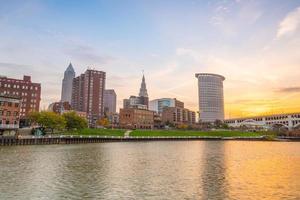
[290, 121]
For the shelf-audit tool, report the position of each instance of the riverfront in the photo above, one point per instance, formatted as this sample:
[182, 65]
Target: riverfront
[152, 170]
[166, 133]
[118, 135]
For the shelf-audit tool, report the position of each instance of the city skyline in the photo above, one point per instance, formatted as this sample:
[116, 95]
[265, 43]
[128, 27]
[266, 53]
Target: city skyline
[254, 44]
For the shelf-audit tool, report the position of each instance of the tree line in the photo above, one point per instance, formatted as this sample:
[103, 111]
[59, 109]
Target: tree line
[52, 121]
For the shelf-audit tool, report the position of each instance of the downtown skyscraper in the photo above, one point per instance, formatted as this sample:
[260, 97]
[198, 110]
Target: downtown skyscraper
[88, 94]
[110, 101]
[211, 98]
[141, 101]
[66, 92]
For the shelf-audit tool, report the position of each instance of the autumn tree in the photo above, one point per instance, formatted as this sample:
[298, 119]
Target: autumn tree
[74, 121]
[48, 120]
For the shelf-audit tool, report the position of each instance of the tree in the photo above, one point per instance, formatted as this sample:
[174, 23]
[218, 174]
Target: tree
[182, 126]
[74, 121]
[34, 117]
[48, 120]
[169, 124]
[225, 126]
[218, 123]
[103, 122]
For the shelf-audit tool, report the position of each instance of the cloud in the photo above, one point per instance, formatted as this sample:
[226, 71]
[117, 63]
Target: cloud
[254, 102]
[289, 24]
[14, 9]
[232, 17]
[87, 53]
[289, 89]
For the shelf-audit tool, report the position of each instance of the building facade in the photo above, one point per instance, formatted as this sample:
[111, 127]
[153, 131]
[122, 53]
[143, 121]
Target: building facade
[178, 116]
[136, 102]
[88, 95]
[136, 118]
[289, 121]
[27, 91]
[157, 105]
[113, 119]
[110, 101]
[211, 98]
[67, 82]
[9, 112]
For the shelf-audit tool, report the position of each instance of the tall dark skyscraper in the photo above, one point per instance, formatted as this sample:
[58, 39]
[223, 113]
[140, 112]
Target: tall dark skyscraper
[88, 93]
[66, 92]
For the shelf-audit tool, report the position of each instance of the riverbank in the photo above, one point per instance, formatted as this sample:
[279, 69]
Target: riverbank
[165, 133]
[214, 133]
[120, 135]
[70, 139]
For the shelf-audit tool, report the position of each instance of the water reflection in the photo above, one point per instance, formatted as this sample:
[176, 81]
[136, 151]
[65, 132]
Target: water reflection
[214, 170]
[152, 170]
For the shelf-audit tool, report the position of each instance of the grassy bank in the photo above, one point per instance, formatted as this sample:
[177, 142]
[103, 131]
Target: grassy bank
[195, 133]
[135, 133]
[92, 132]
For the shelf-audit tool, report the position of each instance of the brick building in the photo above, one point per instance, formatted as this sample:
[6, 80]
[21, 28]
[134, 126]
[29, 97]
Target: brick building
[29, 92]
[9, 112]
[136, 118]
[87, 95]
[178, 115]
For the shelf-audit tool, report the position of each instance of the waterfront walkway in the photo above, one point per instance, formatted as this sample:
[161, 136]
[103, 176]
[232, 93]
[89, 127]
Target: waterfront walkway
[127, 133]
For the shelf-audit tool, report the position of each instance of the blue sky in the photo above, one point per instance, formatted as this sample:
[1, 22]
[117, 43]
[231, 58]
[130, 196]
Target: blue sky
[254, 44]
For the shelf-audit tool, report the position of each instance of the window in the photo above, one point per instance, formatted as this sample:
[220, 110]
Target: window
[8, 113]
[1, 112]
[9, 104]
[16, 105]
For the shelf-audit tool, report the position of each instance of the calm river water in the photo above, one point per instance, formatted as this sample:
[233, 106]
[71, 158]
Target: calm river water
[152, 170]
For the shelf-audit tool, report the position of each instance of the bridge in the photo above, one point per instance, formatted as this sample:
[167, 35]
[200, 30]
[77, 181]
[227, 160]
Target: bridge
[290, 121]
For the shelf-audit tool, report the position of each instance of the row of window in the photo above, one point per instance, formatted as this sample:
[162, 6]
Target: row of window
[9, 104]
[8, 113]
[7, 85]
[23, 94]
[7, 122]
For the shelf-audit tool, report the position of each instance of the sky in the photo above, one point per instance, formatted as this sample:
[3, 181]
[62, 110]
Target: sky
[255, 44]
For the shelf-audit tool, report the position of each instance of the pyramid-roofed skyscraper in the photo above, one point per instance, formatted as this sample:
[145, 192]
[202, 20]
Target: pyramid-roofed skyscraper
[143, 89]
[66, 92]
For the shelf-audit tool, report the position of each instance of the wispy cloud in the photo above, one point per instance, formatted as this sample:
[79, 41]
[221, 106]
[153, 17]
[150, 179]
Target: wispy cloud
[289, 24]
[289, 89]
[230, 16]
[87, 53]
